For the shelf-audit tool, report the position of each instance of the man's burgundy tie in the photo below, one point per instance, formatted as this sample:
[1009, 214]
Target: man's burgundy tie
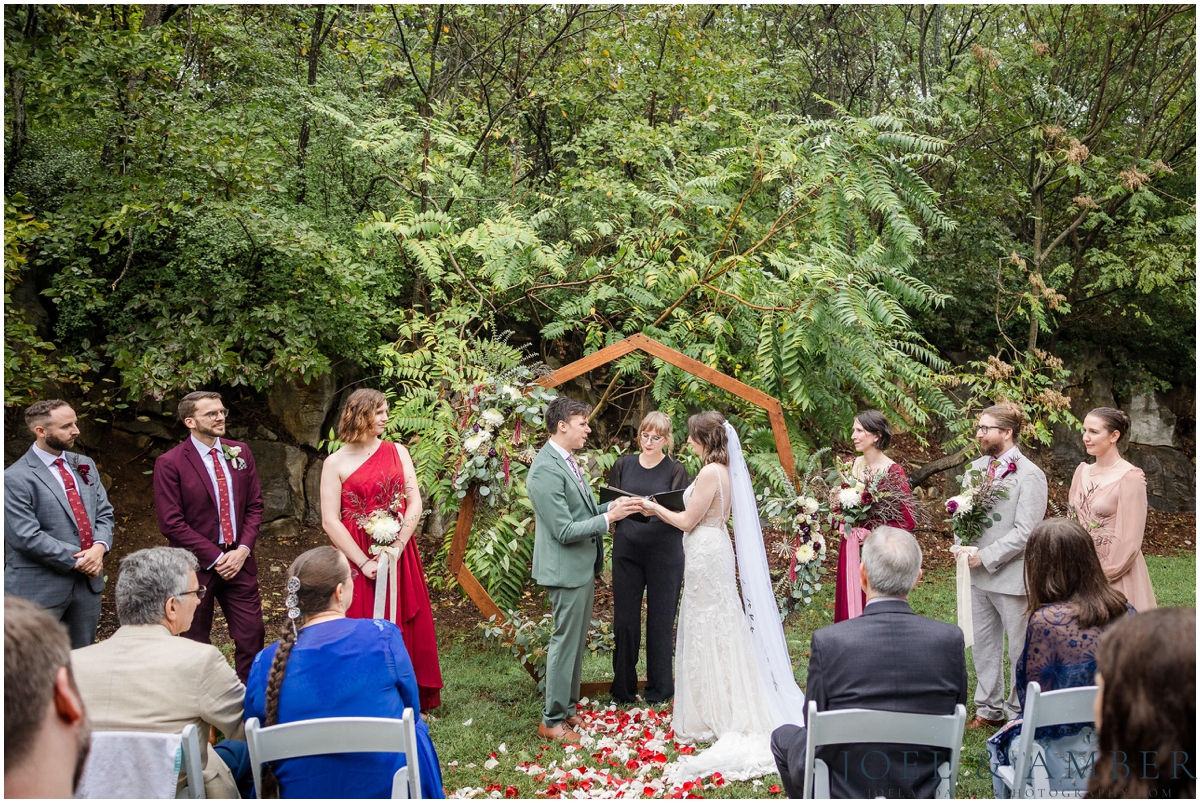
[224, 504]
[77, 508]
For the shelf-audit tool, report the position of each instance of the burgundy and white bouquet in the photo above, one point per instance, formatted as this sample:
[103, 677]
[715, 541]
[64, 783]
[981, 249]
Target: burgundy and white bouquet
[874, 496]
[971, 511]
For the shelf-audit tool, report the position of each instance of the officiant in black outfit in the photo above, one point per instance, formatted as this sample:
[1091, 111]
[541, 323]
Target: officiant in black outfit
[647, 558]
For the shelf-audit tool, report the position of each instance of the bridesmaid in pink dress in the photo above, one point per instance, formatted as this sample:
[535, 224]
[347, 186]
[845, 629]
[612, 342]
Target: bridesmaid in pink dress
[1108, 498]
[871, 435]
[365, 475]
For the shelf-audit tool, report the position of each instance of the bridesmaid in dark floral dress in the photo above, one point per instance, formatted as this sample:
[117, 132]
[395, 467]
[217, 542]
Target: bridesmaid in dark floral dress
[872, 434]
[369, 502]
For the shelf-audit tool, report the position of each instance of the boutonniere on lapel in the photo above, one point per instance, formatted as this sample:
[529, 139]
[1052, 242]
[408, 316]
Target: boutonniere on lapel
[83, 469]
[233, 456]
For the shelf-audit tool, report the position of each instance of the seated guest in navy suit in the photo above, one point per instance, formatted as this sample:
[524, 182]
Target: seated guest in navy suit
[336, 667]
[888, 659]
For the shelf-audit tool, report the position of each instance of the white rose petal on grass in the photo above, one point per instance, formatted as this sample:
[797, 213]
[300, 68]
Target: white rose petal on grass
[467, 724]
[503, 748]
[491, 764]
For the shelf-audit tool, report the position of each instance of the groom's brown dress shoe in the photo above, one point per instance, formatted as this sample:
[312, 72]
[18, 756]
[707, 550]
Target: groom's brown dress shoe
[575, 721]
[560, 732]
[980, 722]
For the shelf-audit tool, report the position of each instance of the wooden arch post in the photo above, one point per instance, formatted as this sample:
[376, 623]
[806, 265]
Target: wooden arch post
[639, 342]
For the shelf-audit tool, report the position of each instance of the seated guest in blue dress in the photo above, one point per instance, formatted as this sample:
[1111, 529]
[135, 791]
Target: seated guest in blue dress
[336, 667]
[1071, 604]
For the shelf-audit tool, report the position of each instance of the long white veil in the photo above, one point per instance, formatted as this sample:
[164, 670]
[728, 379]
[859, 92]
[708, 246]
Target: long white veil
[784, 698]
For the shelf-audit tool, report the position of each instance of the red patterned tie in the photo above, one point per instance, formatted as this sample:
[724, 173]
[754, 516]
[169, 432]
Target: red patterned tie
[224, 505]
[77, 508]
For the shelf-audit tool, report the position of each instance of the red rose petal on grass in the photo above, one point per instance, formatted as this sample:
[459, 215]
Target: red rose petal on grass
[774, 789]
[631, 764]
[687, 750]
[511, 791]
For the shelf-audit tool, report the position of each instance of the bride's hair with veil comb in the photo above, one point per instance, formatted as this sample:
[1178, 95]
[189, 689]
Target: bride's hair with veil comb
[708, 430]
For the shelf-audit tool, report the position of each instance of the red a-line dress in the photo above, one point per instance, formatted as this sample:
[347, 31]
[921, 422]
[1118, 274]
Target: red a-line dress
[368, 489]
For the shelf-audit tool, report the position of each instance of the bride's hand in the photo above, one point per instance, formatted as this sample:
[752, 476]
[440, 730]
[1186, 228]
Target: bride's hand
[650, 507]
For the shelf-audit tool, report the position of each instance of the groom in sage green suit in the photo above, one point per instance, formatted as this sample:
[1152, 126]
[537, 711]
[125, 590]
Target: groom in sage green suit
[568, 554]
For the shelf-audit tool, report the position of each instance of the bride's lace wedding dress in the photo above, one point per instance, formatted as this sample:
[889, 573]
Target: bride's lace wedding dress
[719, 694]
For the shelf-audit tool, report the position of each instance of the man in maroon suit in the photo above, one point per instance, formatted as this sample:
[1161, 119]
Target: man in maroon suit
[209, 502]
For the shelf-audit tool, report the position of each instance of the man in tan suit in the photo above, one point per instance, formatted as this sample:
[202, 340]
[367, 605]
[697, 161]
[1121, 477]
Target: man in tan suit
[143, 678]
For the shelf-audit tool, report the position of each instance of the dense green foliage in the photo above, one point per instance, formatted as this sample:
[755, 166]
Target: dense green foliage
[830, 203]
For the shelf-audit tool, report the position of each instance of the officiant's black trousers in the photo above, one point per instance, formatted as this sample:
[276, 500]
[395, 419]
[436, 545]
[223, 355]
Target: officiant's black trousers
[654, 569]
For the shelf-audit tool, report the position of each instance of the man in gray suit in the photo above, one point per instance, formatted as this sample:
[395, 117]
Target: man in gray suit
[998, 601]
[58, 524]
[888, 659]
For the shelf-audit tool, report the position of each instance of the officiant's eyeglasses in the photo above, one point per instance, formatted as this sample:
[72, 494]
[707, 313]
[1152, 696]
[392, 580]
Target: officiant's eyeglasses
[650, 436]
[198, 591]
[983, 429]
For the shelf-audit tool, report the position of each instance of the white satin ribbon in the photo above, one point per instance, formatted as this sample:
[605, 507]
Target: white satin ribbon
[387, 582]
[962, 588]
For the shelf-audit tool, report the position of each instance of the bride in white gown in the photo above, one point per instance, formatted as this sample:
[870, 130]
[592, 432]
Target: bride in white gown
[733, 677]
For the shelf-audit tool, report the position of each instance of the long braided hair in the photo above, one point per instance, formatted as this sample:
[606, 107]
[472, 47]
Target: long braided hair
[318, 572]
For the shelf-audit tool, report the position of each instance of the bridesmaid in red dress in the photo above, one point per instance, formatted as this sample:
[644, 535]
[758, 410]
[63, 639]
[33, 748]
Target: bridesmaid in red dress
[872, 434]
[364, 476]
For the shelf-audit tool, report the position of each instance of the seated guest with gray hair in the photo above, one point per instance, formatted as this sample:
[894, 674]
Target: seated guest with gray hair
[888, 659]
[145, 679]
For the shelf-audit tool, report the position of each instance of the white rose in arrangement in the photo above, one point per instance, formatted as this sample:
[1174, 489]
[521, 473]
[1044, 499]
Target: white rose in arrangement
[382, 527]
[475, 442]
[510, 392]
[492, 418]
[849, 497]
[811, 505]
[805, 553]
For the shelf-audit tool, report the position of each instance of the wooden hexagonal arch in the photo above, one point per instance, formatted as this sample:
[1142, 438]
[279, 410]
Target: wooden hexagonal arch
[639, 342]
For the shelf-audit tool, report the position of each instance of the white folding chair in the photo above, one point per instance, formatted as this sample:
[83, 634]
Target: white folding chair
[191, 763]
[318, 737]
[1062, 707]
[859, 725]
[139, 764]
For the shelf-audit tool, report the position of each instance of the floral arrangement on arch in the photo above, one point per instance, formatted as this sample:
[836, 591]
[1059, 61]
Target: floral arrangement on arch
[803, 516]
[500, 421]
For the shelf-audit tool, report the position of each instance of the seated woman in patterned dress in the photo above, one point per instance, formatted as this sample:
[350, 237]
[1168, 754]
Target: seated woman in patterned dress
[1071, 604]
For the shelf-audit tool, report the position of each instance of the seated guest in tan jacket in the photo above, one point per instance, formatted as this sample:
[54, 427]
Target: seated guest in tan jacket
[143, 678]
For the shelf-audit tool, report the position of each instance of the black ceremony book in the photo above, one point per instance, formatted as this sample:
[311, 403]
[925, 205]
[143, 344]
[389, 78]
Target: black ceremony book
[671, 500]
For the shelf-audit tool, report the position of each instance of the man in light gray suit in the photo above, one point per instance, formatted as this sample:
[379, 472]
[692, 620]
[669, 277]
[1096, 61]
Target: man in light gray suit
[58, 524]
[998, 601]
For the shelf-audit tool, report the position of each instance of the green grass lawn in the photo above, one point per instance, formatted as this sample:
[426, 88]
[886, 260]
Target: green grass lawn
[489, 700]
